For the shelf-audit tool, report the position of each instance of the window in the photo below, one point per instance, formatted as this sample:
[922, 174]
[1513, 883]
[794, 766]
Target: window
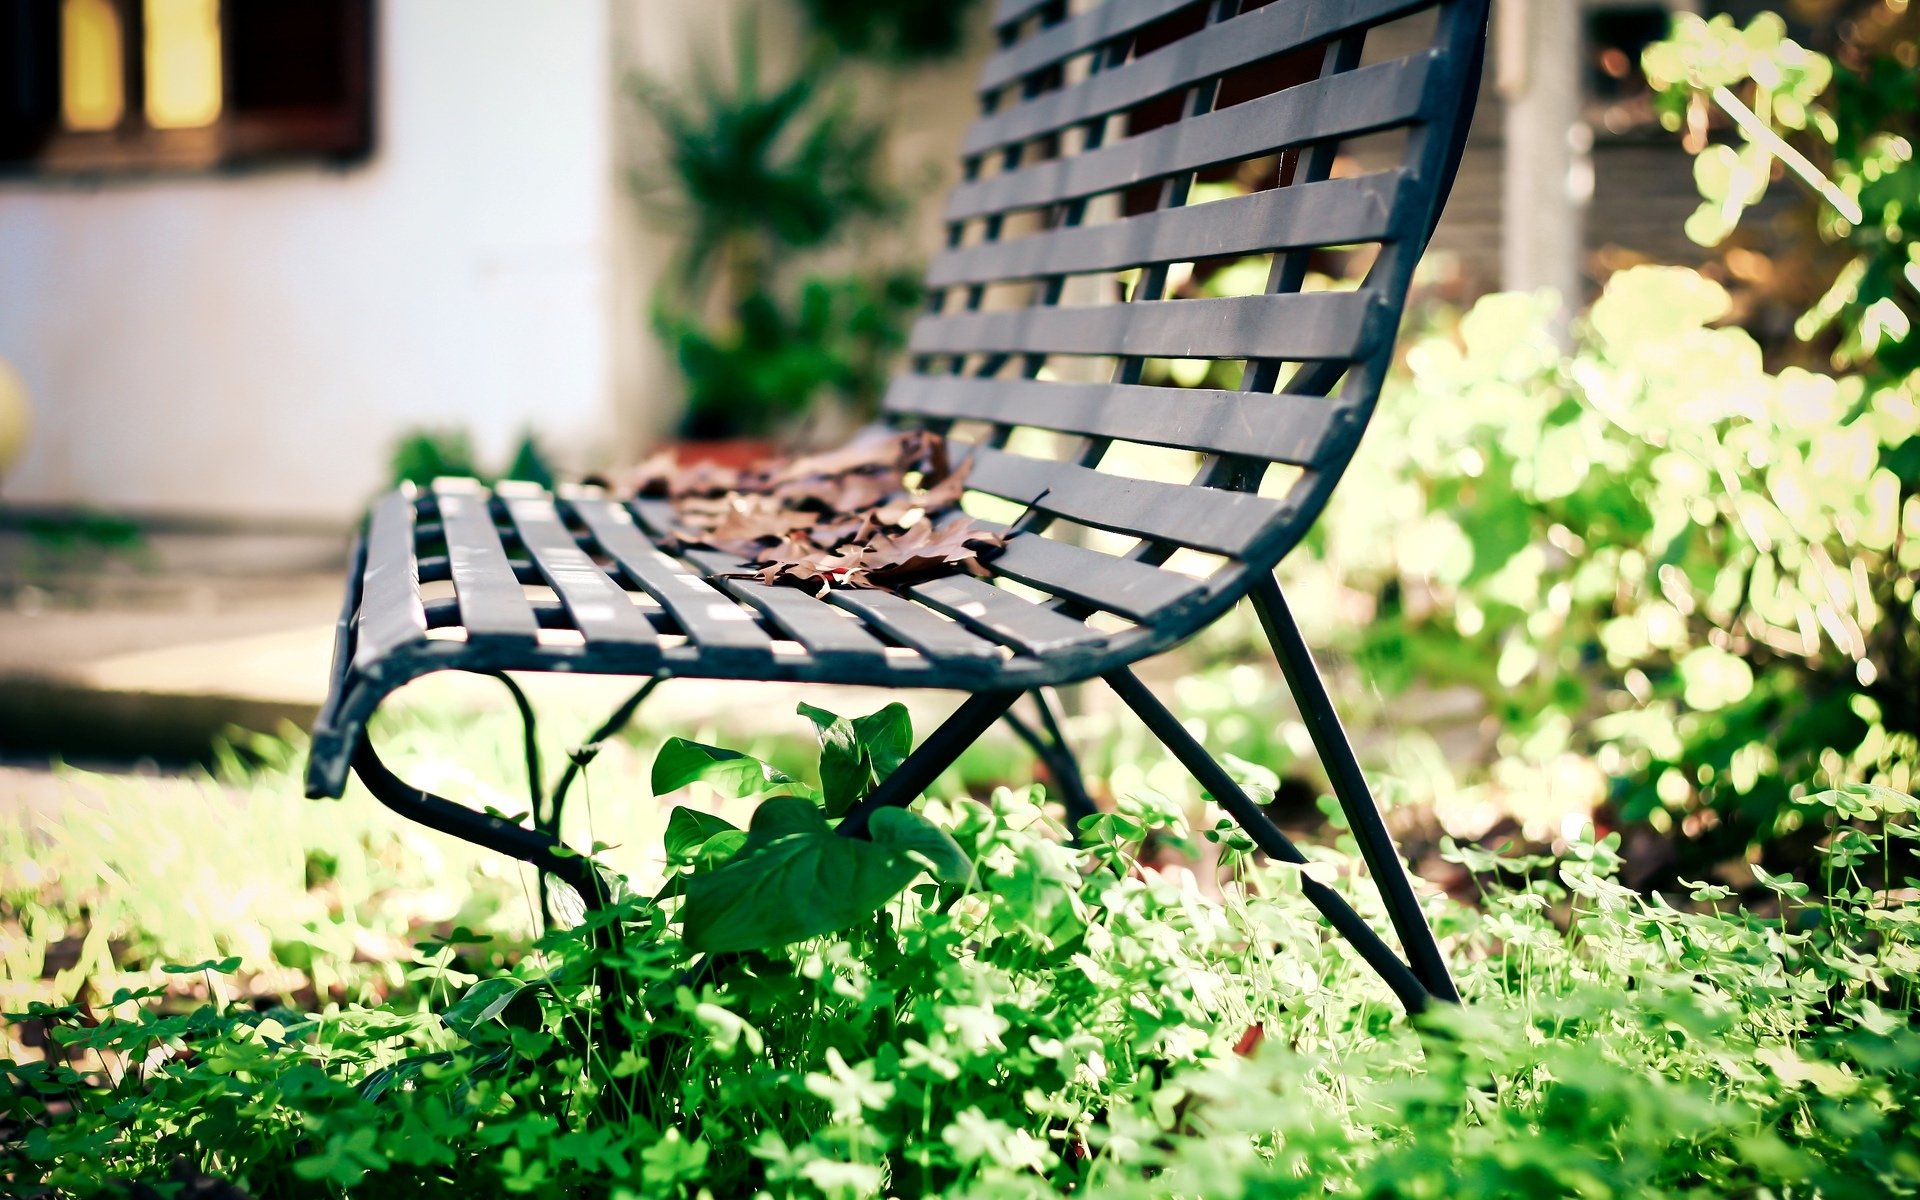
[90, 86]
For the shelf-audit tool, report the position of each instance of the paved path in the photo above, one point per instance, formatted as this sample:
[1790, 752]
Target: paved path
[123, 659]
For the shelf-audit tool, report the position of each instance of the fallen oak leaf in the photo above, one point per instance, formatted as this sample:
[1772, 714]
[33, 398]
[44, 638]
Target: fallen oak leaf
[857, 528]
[864, 454]
[649, 478]
[926, 549]
[702, 480]
[859, 492]
[878, 512]
[761, 522]
[805, 564]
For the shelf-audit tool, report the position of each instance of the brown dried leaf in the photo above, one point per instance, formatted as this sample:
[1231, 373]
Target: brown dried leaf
[757, 519]
[702, 480]
[846, 518]
[928, 549]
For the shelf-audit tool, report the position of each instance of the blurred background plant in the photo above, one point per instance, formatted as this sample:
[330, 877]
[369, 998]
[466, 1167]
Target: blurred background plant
[423, 455]
[899, 32]
[760, 174]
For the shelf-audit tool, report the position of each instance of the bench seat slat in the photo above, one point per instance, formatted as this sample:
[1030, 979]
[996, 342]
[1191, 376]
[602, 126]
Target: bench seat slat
[492, 604]
[391, 612]
[1204, 518]
[1334, 212]
[1125, 586]
[1279, 428]
[1017, 621]
[824, 632]
[919, 627]
[1263, 34]
[598, 606]
[712, 620]
[1349, 104]
[1313, 326]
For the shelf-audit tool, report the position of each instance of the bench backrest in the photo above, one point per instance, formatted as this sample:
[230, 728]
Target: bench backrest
[1133, 156]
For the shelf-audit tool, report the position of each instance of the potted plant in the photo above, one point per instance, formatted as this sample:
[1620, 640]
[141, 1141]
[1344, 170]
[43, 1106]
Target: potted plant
[755, 176]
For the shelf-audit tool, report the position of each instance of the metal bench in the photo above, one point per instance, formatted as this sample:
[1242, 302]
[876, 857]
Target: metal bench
[1097, 121]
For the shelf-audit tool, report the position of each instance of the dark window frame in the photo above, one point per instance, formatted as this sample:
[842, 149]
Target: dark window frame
[336, 128]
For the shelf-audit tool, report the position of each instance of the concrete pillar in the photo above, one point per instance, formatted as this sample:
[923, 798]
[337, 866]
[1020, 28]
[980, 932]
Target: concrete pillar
[1548, 176]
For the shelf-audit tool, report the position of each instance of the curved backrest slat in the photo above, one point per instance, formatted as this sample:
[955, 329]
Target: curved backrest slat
[1230, 46]
[1012, 12]
[1357, 102]
[1317, 325]
[1210, 519]
[1117, 585]
[1278, 428]
[1081, 33]
[1332, 212]
[1127, 154]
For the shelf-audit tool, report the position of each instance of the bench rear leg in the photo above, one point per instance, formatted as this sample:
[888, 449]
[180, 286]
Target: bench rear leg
[1412, 993]
[1049, 745]
[1350, 788]
[548, 809]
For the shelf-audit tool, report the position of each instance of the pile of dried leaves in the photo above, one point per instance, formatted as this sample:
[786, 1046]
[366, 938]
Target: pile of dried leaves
[878, 513]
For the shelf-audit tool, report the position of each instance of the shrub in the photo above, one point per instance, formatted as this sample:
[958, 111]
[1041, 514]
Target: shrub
[1652, 553]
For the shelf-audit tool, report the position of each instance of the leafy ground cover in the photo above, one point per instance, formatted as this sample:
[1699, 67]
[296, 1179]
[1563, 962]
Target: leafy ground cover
[971, 1005]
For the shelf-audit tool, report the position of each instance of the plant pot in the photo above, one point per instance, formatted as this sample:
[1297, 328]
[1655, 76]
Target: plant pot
[734, 454]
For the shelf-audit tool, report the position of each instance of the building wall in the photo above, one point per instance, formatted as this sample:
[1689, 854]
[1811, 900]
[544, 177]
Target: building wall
[254, 343]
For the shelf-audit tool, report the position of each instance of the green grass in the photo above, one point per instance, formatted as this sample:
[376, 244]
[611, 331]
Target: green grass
[1051, 1021]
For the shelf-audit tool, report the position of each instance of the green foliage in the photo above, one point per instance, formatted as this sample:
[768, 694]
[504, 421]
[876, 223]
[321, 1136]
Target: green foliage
[775, 357]
[752, 168]
[1860, 123]
[129, 880]
[1654, 553]
[423, 455]
[529, 463]
[757, 174]
[899, 31]
[969, 1007]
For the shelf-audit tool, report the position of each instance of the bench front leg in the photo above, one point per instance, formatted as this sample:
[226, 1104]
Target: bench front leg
[543, 850]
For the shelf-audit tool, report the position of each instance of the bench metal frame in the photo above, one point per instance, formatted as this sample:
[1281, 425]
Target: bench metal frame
[1095, 125]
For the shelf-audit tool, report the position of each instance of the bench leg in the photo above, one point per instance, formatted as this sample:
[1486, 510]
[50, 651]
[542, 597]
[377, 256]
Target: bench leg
[1413, 994]
[537, 847]
[542, 850]
[1350, 788]
[930, 758]
[1051, 748]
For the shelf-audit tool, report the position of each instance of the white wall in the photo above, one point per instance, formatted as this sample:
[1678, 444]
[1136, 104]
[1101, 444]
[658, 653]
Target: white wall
[214, 344]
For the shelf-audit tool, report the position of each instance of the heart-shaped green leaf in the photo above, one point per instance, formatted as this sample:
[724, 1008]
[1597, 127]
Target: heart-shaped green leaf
[483, 1002]
[846, 774]
[681, 762]
[795, 878]
[688, 829]
[912, 834]
[886, 737]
